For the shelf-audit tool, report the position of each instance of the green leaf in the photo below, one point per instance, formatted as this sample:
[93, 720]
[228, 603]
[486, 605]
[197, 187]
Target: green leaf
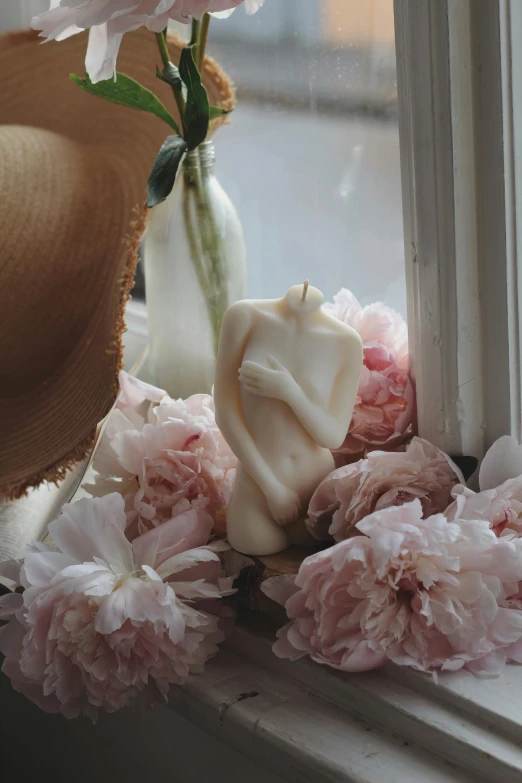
[216, 112]
[164, 170]
[197, 110]
[127, 92]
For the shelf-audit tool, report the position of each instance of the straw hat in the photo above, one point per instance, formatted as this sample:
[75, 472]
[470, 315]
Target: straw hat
[73, 172]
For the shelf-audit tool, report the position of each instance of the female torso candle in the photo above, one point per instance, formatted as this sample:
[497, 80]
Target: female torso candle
[286, 383]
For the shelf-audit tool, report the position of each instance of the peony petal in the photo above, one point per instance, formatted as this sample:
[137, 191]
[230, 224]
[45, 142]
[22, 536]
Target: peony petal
[10, 570]
[203, 589]
[40, 568]
[56, 23]
[10, 604]
[185, 531]
[137, 600]
[283, 648]
[186, 560]
[94, 527]
[363, 658]
[280, 588]
[153, 575]
[503, 461]
[506, 628]
[106, 460]
[223, 14]
[102, 53]
[89, 579]
[133, 392]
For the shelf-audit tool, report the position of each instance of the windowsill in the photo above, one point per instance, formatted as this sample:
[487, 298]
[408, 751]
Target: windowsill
[312, 723]
[294, 728]
[473, 724]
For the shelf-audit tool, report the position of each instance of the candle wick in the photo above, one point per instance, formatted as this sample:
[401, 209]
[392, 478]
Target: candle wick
[305, 290]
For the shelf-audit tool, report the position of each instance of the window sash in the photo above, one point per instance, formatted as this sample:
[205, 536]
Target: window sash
[510, 17]
[439, 226]
[460, 173]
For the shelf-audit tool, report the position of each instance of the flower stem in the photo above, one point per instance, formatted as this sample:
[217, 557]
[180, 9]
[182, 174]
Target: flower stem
[194, 33]
[206, 247]
[163, 48]
[161, 40]
[203, 38]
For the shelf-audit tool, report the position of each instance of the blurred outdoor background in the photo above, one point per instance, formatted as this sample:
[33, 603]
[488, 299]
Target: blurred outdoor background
[311, 156]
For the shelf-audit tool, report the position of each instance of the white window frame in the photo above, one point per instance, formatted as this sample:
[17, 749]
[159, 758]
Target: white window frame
[459, 174]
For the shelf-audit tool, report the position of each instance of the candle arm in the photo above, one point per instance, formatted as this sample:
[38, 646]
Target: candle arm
[327, 428]
[240, 441]
[229, 418]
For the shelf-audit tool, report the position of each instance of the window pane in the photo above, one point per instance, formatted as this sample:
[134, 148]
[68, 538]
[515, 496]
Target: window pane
[311, 155]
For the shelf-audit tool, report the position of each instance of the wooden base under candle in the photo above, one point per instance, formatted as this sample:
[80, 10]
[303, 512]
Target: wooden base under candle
[250, 596]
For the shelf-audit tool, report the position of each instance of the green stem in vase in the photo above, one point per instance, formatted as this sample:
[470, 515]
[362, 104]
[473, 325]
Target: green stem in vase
[194, 34]
[204, 238]
[161, 40]
[203, 38]
[208, 253]
[192, 238]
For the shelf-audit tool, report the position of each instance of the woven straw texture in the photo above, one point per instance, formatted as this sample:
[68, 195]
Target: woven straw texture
[71, 221]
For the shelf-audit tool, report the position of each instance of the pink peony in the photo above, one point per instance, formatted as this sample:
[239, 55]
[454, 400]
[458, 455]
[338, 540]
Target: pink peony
[109, 20]
[163, 458]
[381, 480]
[500, 507]
[102, 620]
[385, 402]
[499, 501]
[429, 594]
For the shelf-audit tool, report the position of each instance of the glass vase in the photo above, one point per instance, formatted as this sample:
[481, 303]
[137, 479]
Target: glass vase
[195, 267]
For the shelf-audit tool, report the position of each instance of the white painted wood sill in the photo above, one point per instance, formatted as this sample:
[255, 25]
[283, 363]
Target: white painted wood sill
[305, 722]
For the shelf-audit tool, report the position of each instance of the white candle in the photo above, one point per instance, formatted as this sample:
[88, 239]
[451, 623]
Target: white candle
[286, 383]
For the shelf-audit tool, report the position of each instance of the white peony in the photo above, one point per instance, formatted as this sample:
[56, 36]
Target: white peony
[109, 20]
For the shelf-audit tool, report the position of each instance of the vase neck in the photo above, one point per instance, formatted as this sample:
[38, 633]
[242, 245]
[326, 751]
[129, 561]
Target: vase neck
[203, 157]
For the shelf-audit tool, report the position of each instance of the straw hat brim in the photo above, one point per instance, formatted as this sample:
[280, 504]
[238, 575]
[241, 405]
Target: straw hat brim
[52, 400]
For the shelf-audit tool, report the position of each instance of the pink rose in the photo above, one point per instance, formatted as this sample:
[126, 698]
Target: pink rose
[382, 480]
[102, 620]
[163, 458]
[423, 593]
[109, 20]
[385, 402]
